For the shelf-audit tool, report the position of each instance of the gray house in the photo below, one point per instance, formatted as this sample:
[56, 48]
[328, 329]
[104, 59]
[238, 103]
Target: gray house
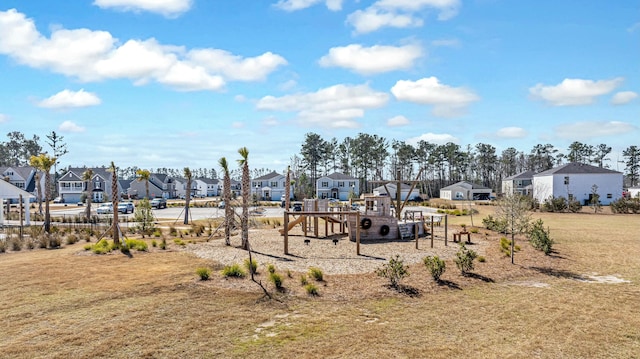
[71, 187]
[521, 183]
[465, 191]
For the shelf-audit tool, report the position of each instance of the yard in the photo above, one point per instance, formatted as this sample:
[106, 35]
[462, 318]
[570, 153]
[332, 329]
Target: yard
[580, 302]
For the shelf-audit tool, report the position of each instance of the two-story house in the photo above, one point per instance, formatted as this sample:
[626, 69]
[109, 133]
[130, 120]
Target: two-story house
[71, 187]
[24, 178]
[160, 185]
[206, 187]
[270, 187]
[337, 185]
[521, 183]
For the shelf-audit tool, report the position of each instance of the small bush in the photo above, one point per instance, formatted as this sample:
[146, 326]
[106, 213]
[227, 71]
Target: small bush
[316, 273]
[16, 244]
[271, 268]
[304, 280]
[495, 224]
[289, 274]
[72, 239]
[482, 259]
[137, 244]
[204, 273]
[464, 259]
[311, 289]
[173, 231]
[154, 244]
[87, 247]
[540, 238]
[252, 267]
[435, 265]
[394, 271]
[179, 242]
[163, 244]
[233, 270]
[3, 246]
[276, 279]
[157, 233]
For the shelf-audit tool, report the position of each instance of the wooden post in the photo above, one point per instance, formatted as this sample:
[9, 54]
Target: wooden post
[358, 233]
[20, 211]
[446, 227]
[286, 232]
[432, 232]
[415, 232]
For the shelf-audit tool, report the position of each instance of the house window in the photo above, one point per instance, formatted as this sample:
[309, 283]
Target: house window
[570, 197]
[20, 184]
[609, 195]
[65, 185]
[8, 173]
[274, 184]
[340, 184]
[566, 180]
[325, 184]
[352, 184]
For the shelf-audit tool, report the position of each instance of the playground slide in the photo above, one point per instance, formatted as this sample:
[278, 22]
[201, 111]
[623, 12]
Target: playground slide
[293, 224]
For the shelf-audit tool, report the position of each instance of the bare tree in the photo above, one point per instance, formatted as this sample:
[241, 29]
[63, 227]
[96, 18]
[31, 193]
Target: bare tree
[513, 209]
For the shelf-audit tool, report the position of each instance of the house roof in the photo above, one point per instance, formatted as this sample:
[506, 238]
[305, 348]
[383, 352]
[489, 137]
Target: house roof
[392, 186]
[576, 168]
[340, 176]
[208, 180]
[75, 173]
[465, 184]
[521, 175]
[267, 176]
[23, 171]
[7, 190]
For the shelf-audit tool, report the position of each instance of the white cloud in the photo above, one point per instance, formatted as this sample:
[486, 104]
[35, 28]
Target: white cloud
[372, 19]
[235, 67]
[399, 14]
[397, 121]
[623, 97]
[168, 8]
[3, 118]
[68, 126]
[446, 101]
[70, 99]
[574, 92]
[590, 129]
[511, 132]
[95, 56]
[437, 138]
[455, 43]
[336, 107]
[294, 5]
[372, 60]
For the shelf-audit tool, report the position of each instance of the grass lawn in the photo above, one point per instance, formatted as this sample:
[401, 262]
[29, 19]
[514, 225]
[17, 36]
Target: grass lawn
[581, 302]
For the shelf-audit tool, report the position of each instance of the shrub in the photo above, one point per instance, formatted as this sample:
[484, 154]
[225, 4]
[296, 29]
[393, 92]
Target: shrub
[303, 280]
[394, 271]
[179, 242]
[233, 270]
[464, 259]
[163, 244]
[157, 233]
[87, 247]
[154, 243]
[540, 238]
[435, 265]
[271, 268]
[276, 279]
[316, 273]
[72, 238]
[137, 244]
[16, 244]
[557, 204]
[3, 246]
[482, 259]
[311, 289]
[574, 206]
[173, 231]
[251, 266]
[289, 274]
[495, 224]
[204, 273]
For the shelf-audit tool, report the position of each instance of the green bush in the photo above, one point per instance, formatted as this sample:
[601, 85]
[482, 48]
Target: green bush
[435, 265]
[311, 289]
[271, 268]
[394, 271]
[154, 243]
[87, 247]
[482, 259]
[276, 279]
[179, 242]
[464, 259]
[233, 270]
[163, 244]
[540, 237]
[557, 204]
[137, 244]
[204, 273]
[303, 280]
[251, 266]
[495, 224]
[316, 273]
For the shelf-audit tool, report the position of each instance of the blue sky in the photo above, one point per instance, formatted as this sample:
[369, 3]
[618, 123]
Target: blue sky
[175, 83]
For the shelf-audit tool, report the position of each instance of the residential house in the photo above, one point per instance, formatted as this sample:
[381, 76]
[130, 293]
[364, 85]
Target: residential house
[236, 188]
[206, 187]
[405, 191]
[180, 187]
[71, 187]
[270, 187]
[12, 193]
[521, 183]
[337, 185]
[160, 185]
[464, 190]
[24, 178]
[634, 192]
[577, 181]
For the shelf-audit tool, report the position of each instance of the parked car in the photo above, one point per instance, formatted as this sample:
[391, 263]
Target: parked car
[158, 203]
[297, 207]
[58, 200]
[221, 205]
[105, 208]
[125, 207]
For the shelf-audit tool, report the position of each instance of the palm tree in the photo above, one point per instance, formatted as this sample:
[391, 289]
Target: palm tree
[287, 189]
[226, 197]
[144, 175]
[114, 200]
[87, 176]
[187, 175]
[44, 163]
[244, 162]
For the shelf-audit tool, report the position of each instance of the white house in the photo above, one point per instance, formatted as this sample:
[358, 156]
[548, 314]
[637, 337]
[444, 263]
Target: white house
[634, 192]
[337, 185]
[24, 177]
[465, 191]
[575, 181]
[269, 187]
[180, 186]
[391, 187]
[521, 183]
[206, 187]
